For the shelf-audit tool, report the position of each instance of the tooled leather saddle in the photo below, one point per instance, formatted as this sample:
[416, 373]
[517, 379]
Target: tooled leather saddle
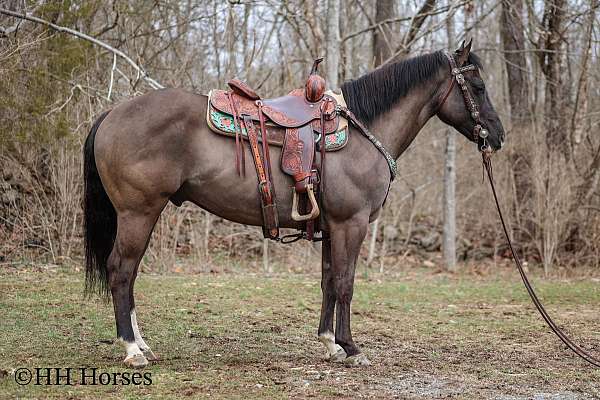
[301, 122]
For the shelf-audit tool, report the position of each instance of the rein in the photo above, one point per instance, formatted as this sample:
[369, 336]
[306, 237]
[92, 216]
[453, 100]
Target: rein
[479, 135]
[487, 163]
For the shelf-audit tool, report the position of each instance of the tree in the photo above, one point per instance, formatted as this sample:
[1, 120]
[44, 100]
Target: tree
[449, 197]
[512, 32]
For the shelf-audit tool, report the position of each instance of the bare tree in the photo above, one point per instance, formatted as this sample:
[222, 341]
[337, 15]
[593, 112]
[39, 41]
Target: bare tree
[513, 41]
[449, 197]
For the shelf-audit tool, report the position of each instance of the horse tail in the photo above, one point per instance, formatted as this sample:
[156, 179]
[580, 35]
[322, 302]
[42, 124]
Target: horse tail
[100, 220]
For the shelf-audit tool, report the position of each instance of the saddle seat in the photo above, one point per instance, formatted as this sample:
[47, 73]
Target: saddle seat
[289, 111]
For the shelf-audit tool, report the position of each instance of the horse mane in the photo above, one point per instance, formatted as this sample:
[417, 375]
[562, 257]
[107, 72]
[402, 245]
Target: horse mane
[377, 91]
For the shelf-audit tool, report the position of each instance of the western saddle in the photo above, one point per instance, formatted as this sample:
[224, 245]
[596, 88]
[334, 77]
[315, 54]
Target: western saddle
[302, 122]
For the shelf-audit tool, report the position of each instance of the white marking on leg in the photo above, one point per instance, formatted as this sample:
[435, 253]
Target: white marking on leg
[131, 348]
[328, 339]
[135, 358]
[137, 334]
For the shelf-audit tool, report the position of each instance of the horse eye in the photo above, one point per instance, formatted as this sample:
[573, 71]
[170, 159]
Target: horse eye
[478, 86]
[478, 83]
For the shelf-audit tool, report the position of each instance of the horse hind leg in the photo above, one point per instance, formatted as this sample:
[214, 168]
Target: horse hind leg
[137, 334]
[133, 234]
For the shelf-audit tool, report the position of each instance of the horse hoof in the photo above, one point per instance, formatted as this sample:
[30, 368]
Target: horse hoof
[136, 361]
[357, 360]
[338, 357]
[150, 356]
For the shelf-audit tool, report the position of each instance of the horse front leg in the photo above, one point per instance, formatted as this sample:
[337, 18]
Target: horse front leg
[346, 239]
[334, 352]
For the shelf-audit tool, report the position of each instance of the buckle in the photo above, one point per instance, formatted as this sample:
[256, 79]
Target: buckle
[460, 78]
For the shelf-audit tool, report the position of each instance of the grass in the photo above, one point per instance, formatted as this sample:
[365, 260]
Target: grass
[253, 336]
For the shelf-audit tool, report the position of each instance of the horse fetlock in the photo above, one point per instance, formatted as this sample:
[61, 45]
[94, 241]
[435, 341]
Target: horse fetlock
[328, 340]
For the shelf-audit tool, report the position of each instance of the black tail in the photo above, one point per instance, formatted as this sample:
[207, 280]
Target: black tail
[100, 220]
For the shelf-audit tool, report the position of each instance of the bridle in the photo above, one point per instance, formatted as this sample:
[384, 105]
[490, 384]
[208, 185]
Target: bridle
[480, 134]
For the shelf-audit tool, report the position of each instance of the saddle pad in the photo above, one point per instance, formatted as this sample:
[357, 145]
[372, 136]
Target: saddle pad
[222, 123]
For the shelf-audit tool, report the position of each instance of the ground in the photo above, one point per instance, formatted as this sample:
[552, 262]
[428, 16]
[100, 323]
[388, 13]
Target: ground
[428, 335]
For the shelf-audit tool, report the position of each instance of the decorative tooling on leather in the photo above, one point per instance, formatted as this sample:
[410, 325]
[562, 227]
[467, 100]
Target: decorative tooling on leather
[291, 158]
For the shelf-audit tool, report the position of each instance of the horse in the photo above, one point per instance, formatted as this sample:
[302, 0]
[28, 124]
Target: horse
[157, 148]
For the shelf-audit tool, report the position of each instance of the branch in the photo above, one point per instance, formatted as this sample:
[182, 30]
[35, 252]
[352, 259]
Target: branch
[141, 72]
[371, 27]
[415, 24]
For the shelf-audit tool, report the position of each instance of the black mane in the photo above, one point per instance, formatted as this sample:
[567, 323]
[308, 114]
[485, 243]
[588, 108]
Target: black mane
[377, 91]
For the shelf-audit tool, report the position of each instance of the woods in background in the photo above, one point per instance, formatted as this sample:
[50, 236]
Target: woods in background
[541, 67]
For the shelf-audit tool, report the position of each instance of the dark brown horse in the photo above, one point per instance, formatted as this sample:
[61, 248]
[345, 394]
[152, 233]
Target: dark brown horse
[157, 148]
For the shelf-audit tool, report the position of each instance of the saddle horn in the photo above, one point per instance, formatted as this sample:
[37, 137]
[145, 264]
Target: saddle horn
[315, 84]
[316, 63]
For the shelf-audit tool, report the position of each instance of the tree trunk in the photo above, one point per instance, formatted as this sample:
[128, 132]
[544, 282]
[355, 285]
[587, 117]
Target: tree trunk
[384, 9]
[417, 22]
[333, 43]
[513, 41]
[449, 197]
[552, 67]
[512, 33]
[311, 12]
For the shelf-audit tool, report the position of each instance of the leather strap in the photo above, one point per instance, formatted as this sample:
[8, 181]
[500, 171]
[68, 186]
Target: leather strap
[323, 150]
[561, 335]
[240, 154]
[349, 115]
[269, 208]
[265, 143]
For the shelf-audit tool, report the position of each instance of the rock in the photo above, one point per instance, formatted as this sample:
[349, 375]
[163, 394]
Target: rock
[390, 232]
[431, 241]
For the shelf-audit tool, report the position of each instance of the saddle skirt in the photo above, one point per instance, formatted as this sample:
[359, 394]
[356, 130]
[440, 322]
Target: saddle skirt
[219, 118]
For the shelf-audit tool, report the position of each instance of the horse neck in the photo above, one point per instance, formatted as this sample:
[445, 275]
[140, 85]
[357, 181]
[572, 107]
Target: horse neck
[399, 126]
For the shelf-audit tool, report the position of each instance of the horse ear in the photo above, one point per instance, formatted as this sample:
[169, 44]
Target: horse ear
[462, 54]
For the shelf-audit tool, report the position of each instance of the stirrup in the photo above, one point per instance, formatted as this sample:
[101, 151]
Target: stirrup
[314, 212]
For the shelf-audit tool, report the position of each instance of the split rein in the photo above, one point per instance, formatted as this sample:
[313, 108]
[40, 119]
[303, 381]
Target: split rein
[487, 163]
[479, 136]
